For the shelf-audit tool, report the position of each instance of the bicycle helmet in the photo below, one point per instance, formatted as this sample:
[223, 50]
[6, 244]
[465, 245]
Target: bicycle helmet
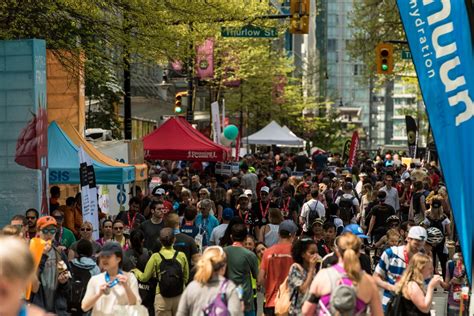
[393, 218]
[435, 236]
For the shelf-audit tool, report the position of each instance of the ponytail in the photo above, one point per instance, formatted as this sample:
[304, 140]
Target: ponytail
[348, 246]
[352, 265]
[212, 260]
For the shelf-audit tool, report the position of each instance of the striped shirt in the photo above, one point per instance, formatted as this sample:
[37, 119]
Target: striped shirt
[391, 267]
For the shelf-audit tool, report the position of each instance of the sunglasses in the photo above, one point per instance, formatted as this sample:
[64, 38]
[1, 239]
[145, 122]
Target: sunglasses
[118, 228]
[51, 231]
[86, 229]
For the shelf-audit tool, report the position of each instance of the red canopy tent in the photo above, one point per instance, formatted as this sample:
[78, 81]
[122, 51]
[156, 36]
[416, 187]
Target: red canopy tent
[176, 139]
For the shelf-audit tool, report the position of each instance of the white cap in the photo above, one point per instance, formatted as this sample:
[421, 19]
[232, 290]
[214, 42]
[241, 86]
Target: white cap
[418, 233]
[265, 189]
[159, 191]
[248, 192]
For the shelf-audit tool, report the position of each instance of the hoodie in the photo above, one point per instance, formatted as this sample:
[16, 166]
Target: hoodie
[87, 264]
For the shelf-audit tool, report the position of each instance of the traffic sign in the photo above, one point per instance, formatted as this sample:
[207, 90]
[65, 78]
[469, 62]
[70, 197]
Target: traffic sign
[406, 54]
[249, 31]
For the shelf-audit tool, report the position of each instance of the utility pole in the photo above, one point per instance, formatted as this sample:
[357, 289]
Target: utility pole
[127, 102]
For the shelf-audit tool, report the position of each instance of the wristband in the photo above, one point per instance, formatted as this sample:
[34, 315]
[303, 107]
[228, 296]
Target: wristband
[313, 299]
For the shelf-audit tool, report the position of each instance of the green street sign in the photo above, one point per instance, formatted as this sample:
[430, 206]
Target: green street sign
[406, 54]
[249, 32]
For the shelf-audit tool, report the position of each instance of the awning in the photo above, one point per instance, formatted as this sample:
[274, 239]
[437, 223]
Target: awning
[63, 161]
[273, 134]
[176, 139]
[141, 170]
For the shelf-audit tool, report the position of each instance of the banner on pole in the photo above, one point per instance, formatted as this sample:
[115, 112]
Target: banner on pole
[412, 134]
[216, 122]
[88, 192]
[441, 45]
[353, 151]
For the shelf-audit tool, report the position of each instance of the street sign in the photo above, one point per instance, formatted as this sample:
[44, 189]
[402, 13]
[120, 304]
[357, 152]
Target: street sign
[249, 31]
[406, 54]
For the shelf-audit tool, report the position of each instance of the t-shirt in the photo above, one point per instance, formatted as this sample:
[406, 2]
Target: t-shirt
[382, 212]
[242, 264]
[311, 206]
[135, 220]
[186, 245]
[67, 237]
[217, 234]
[391, 267]
[152, 232]
[104, 306]
[276, 263]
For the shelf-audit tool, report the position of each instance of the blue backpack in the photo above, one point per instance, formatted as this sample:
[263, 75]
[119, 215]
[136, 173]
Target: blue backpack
[218, 307]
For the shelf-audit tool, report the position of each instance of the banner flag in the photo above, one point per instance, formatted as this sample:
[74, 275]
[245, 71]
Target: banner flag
[88, 192]
[205, 60]
[440, 42]
[216, 122]
[412, 135]
[353, 149]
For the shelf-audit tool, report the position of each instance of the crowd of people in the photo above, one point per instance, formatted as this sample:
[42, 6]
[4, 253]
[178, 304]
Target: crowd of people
[314, 237]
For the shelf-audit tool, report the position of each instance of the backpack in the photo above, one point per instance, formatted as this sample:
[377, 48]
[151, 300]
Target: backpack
[170, 276]
[218, 307]
[395, 306]
[312, 215]
[343, 294]
[346, 209]
[284, 298]
[80, 278]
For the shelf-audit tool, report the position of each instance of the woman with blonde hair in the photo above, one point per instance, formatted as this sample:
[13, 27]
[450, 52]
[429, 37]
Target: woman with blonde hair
[348, 272]
[209, 286]
[415, 298]
[16, 273]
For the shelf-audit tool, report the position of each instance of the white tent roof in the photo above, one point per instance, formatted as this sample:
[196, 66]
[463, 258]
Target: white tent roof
[286, 129]
[273, 134]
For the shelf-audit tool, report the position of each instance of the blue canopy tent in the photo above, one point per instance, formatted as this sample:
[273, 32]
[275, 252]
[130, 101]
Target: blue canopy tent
[63, 161]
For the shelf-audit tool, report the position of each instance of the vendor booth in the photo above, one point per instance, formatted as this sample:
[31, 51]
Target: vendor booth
[63, 161]
[176, 139]
[274, 134]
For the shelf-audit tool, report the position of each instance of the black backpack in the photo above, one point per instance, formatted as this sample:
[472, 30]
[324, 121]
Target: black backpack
[80, 278]
[395, 306]
[312, 215]
[346, 209]
[170, 276]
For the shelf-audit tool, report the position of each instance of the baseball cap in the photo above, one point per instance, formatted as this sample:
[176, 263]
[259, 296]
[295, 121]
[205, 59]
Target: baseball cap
[248, 192]
[288, 226]
[158, 191]
[356, 230]
[111, 248]
[242, 196]
[265, 189]
[418, 233]
[46, 221]
[227, 213]
[319, 221]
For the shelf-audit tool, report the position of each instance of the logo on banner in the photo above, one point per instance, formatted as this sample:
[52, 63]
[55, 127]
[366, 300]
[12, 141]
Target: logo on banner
[202, 154]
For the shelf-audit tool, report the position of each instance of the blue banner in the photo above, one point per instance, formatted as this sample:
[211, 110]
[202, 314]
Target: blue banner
[439, 36]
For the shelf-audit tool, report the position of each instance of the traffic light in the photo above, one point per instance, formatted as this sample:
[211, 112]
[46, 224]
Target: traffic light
[178, 102]
[384, 58]
[299, 16]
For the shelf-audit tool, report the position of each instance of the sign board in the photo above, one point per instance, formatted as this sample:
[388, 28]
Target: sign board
[227, 169]
[249, 31]
[406, 54]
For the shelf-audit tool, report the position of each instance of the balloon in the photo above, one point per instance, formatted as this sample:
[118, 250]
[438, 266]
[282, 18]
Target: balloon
[231, 132]
[224, 141]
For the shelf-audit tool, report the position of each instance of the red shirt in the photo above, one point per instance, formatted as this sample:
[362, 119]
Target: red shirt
[276, 263]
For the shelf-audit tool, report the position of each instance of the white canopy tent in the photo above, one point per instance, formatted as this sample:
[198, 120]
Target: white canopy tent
[289, 131]
[273, 134]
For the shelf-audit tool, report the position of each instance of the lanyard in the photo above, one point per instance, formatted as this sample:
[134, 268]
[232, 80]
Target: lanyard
[22, 310]
[264, 213]
[131, 222]
[405, 253]
[286, 205]
[114, 282]
[246, 216]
